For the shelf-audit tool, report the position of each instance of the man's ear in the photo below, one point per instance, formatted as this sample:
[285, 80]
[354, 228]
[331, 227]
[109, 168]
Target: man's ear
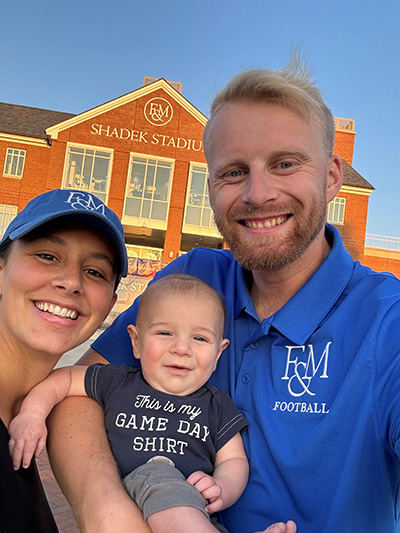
[210, 199]
[133, 333]
[334, 177]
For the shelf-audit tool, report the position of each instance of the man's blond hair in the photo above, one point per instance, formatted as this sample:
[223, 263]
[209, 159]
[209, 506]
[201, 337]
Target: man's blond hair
[290, 87]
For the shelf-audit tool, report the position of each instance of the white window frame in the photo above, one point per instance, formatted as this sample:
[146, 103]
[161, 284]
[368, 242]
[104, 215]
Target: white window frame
[66, 181]
[14, 155]
[201, 229]
[144, 252]
[7, 214]
[336, 211]
[146, 221]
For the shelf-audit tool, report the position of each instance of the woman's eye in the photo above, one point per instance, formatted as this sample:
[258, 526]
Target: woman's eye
[47, 257]
[95, 273]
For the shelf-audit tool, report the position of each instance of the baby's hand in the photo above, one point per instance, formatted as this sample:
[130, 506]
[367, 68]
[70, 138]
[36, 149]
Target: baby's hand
[27, 437]
[209, 489]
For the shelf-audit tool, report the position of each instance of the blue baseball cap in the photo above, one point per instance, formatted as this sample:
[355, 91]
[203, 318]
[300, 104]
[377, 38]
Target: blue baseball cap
[74, 204]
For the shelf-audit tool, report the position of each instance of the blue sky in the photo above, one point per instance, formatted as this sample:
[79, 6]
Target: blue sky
[72, 56]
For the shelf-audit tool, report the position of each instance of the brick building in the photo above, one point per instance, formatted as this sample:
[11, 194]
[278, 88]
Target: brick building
[142, 154]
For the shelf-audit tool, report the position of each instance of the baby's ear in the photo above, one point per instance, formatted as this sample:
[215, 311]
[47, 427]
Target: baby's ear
[133, 333]
[224, 344]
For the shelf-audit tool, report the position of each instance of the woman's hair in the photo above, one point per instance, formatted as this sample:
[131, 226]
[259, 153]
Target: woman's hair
[5, 248]
[289, 87]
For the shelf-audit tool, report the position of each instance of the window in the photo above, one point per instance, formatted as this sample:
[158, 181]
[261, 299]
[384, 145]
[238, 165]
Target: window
[144, 252]
[345, 124]
[14, 165]
[147, 194]
[88, 169]
[7, 214]
[198, 214]
[336, 210]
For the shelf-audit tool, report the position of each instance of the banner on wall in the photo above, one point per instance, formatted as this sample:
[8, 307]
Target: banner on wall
[140, 273]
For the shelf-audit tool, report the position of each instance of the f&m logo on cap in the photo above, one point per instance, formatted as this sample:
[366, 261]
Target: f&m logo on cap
[79, 200]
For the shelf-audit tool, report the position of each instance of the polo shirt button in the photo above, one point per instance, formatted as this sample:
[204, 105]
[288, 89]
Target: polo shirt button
[254, 345]
[245, 378]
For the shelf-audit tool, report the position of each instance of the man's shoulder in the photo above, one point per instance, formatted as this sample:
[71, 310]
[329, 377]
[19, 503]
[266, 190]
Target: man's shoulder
[209, 254]
[383, 282]
[377, 293]
[210, 264]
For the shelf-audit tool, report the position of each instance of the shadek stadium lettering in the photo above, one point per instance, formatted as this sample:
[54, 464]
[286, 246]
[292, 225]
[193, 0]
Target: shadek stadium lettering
[146, 137]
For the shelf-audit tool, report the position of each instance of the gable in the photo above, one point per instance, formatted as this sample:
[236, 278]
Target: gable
[156, 88]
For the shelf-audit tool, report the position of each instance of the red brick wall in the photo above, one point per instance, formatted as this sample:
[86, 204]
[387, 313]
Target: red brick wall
[344, 145]
[382, 264]
[18, 191]
[176, 211]
[355, 223]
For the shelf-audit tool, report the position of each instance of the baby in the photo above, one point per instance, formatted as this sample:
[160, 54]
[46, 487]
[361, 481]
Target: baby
[176, 440]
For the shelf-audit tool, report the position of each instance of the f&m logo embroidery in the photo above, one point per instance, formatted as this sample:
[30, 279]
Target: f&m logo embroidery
[302, 366]
[158, 111]
[85, 200]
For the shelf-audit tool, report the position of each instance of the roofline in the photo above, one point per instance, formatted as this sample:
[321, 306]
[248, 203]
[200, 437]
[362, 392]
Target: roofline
[356, 190]
[22, 139]
[53, 131]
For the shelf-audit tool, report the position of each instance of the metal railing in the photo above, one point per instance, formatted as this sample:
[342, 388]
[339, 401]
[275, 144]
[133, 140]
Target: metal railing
[383, 242]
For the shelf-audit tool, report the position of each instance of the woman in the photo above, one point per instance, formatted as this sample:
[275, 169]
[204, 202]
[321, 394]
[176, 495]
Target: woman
[61, 259]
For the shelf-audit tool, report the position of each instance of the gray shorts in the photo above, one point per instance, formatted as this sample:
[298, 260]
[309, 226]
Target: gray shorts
[157, 485]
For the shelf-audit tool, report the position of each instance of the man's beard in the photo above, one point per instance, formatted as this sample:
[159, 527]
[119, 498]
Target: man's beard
[268, 252]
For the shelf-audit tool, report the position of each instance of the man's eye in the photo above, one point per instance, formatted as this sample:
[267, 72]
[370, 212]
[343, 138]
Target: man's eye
[285, 165]
[235, 173]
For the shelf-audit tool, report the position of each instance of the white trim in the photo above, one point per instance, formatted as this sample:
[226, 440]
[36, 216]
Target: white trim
[95, 148]
[140, 222]
[6, 217]
[338, 205]
[53, 131]
[356, 190]
[8, 137]
[196, 229]
[14, 176]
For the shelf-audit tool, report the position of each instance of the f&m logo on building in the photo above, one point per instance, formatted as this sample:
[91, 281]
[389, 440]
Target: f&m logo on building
[158, 111]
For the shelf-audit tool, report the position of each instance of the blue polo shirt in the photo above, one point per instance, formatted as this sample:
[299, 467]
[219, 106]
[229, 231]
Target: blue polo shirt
[319, 383]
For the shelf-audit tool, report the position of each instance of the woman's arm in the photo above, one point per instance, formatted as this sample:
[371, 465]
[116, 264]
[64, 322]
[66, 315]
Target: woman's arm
[28, 429]
[85, 468]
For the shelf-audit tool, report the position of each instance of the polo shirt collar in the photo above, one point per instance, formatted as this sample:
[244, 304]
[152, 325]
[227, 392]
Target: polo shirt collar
[305, 311]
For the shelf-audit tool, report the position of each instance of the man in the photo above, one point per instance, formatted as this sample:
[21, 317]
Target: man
[313, 360]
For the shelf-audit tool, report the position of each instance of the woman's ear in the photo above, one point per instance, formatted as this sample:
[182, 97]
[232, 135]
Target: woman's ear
[112, 303]
[2, 265]
[134, 335]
